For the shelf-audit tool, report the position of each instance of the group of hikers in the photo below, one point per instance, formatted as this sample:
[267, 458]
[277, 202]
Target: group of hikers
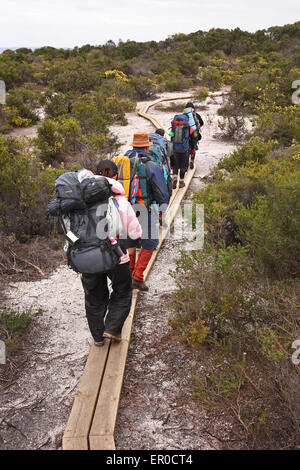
[109, 214]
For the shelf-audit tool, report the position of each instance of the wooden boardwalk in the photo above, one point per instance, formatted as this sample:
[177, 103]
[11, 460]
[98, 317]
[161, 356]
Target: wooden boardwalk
[91, 423]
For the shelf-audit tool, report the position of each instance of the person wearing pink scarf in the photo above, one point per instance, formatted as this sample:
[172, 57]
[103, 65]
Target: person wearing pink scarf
[99, 302]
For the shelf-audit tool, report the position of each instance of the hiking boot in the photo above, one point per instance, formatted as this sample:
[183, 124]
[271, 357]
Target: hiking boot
[140, 285]
[181, 184]
[99, 343]
[113, 336]
[162, 223]
[191, 164]
[175, 183]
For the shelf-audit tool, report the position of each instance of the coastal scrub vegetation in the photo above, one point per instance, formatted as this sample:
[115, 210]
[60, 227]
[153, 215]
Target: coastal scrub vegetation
[240, 295]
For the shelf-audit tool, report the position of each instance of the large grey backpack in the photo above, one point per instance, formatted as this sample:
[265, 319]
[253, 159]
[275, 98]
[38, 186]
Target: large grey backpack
[89, 216]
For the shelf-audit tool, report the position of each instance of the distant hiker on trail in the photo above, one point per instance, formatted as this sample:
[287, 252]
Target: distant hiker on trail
[169, 149]
[149, 195]
[168, 145]
[180, 138]
[95, 215]
[196, 122]
[159, 153]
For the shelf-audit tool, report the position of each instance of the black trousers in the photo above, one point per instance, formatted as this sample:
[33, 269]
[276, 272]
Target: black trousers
[98, 301]
[180, 163]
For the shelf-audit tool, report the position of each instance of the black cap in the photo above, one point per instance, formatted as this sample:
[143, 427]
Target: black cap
[190, 105]
[107, 164]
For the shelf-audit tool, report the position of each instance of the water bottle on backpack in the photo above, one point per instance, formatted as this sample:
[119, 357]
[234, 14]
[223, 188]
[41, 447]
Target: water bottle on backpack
[180, 133]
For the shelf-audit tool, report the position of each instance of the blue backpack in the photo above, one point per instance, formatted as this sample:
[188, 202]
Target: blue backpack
[180, 136]
[158, 140]
[156, 154]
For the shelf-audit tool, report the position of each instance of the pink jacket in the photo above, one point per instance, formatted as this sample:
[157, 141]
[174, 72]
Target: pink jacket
[131, 225]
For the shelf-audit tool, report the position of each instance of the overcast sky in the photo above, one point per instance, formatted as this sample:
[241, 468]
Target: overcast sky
[69, 23]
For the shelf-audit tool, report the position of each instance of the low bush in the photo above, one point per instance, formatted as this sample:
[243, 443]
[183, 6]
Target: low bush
[26, 186]
[222, 294]
[281, 124]
[224, 302]
[25, 102]
[143, 88]
[56, 105]
[211, 77]
[256, 150]
[10, 118]
[214, 287]
[14, 325]
[201, 95]
[233, 127]
[270, 226]
[258, 206]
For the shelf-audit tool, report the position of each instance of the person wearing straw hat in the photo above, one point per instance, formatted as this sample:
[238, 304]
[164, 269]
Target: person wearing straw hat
[151, 191]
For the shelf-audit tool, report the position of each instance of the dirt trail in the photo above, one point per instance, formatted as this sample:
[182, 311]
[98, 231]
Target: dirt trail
[155, 412]
[32, 131]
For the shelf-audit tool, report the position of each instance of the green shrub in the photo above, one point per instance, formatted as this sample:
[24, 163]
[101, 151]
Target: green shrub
[281, 124]
[49, 140]
[223, 298]
[219, 385]
[270, 226]
[25, 102]
[143, 88]
[201, 94]
[211, 77]
[90, 111]
[256, 150]
[57, 105]
[57, 138]
[10, 118]
[118, 107]
[213, 287]
[258, 206]
[74, 76]
[85, 130]
[14, 325]
[245, 91]
[26, 186]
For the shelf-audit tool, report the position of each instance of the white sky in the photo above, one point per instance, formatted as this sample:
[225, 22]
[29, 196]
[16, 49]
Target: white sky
[69, 23]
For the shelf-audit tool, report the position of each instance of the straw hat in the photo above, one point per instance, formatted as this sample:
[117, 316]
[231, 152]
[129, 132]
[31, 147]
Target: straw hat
[140, 139]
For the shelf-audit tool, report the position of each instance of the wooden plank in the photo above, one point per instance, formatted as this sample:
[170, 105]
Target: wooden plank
[103, 425]
[102, 442]
[75, 443]
[143, 111]
[80, 419]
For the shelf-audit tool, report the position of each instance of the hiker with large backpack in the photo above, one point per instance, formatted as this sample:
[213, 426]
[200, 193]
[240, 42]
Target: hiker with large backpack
[158, 138]
[169, 146]
[158, 152]
[196, 122]
[180, 138]
[94, 213]
[149, 195]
